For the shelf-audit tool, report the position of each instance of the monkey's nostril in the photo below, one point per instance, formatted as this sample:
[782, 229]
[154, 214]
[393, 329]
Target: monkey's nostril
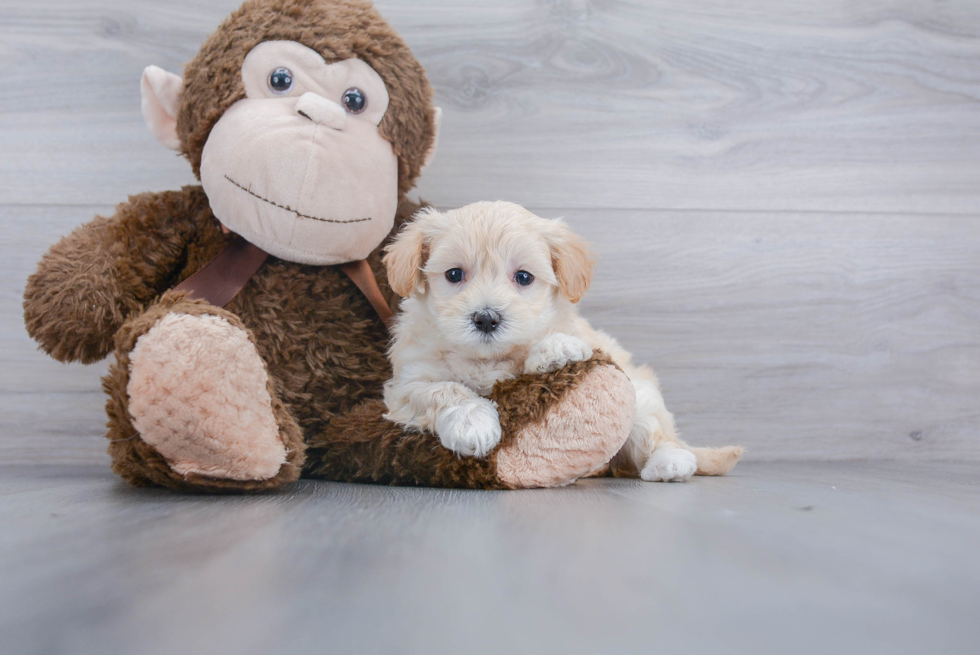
[303, 114]
[486, 320]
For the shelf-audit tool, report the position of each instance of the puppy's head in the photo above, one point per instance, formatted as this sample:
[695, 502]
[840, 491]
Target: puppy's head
[493, 274]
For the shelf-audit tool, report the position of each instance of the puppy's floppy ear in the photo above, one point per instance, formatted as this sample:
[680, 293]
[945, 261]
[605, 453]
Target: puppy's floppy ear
[571, 258]
[405, 255]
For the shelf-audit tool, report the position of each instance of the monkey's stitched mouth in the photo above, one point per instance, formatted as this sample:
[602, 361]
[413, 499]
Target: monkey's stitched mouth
[290, 209]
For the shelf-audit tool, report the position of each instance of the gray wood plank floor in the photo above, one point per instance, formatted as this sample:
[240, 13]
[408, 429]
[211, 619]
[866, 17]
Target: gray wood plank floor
[786, 201]
[777, 558]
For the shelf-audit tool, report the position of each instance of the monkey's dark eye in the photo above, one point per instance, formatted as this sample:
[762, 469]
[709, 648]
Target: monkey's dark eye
[355, 102]
[455, 275]
[523, 278]
[281, 80]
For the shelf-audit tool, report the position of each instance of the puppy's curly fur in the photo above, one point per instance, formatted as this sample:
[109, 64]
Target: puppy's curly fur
[490, 294]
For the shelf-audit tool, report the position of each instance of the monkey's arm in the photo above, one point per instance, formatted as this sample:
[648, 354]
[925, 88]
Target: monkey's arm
[557, 427]
[91, 280]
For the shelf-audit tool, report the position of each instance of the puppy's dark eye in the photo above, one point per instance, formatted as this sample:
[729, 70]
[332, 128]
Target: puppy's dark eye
[523, 278]
[354, 100]
[455, 275]
[281, 80]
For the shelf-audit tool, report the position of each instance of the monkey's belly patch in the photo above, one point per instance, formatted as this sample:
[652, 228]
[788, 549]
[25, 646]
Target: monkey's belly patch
[290, 209]
[198, 393]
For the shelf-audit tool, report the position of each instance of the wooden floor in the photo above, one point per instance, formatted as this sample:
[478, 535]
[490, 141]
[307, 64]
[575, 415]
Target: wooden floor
[777, 558]
[786, 200]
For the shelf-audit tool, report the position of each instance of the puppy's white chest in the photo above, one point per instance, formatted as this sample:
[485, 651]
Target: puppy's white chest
[481, 375]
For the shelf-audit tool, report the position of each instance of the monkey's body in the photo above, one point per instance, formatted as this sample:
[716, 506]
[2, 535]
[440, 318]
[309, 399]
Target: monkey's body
[286, 379]
[320, 340]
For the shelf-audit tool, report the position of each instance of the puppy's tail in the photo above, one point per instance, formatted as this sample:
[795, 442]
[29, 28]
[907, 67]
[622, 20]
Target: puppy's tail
[717, 461]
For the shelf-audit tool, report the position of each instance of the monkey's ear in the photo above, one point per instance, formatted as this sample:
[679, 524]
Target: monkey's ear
[431, 152]
[571, 258]
[160, 93]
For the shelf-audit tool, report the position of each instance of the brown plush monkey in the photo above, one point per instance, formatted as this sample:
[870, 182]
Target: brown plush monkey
[306, 121]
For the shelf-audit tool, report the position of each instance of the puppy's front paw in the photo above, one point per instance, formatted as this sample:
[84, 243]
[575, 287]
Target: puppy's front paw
[669, 465]
[469, 428]
[555, 351]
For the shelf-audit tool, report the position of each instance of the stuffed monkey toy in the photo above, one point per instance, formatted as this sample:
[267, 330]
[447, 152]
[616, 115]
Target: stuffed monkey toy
[246, 314]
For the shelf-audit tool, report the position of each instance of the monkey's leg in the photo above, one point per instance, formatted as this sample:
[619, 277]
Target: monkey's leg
[557, 427]
[191, 406]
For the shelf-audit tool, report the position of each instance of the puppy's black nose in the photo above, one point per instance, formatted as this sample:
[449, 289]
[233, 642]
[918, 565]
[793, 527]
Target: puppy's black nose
[486, 320]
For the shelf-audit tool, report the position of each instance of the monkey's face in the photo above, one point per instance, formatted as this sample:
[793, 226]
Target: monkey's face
[298, 166]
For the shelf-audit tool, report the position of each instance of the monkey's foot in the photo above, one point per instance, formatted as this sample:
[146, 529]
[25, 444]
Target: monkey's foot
[199, 395]
[565, 426]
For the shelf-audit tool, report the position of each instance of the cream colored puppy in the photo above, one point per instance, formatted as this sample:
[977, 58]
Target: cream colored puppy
[490, 292]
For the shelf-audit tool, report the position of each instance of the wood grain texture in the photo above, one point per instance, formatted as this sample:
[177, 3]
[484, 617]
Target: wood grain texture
[48, 411]
[800, 336]
[778, 558]
[759, 105]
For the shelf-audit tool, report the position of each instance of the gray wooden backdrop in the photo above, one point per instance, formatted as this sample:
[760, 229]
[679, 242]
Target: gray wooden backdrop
[785, 195]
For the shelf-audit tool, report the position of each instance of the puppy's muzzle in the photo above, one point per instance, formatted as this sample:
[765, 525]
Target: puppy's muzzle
[486, 320]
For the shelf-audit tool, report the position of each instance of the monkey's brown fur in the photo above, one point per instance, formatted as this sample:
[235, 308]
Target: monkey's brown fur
[106, 284]
[363, 447]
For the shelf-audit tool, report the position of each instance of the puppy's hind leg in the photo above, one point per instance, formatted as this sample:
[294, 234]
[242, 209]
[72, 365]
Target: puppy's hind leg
[669, 463]
[653, 450]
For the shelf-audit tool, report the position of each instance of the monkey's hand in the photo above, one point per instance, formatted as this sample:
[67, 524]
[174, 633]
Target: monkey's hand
[91, 280]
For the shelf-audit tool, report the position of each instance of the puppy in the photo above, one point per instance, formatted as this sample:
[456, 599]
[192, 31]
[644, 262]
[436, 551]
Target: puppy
[489, 293]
